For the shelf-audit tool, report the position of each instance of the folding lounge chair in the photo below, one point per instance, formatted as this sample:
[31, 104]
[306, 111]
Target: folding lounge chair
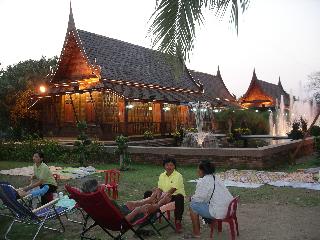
[23, 214]
[4, 211]
[103, 212]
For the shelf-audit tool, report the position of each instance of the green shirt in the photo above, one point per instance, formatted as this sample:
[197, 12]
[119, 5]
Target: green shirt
[43, 173]
[175, 180]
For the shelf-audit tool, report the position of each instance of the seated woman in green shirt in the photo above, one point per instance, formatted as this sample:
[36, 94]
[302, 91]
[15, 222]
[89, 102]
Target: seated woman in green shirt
[43, 176]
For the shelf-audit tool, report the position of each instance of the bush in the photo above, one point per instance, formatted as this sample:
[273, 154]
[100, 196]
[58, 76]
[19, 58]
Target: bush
[315, 131]
[148, 135]
[258, 122]
[23, 151]
[317, 144]
[238, 132]
[53, 151]
[122, 146]
[178, 136]
[298, 129]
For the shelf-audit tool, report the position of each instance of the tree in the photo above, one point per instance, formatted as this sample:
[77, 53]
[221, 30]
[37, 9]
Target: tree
[314, 85]
[17, 82]
[174, 24]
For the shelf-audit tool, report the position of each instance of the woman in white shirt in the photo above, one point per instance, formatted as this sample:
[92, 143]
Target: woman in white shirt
[211, 198]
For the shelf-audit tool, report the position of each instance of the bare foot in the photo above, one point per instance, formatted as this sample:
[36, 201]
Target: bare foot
[130, 205]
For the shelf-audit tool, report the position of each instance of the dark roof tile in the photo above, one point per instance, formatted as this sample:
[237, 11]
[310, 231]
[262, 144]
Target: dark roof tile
[274, 90]
[124, 61]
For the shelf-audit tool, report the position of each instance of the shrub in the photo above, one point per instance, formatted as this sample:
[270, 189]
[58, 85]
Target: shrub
[230, 138]
[148, 135]
[238, 132]
[315, 131]
[193, 130]
[53, 151]
[258, 122]
[81, 146]
[299, 127]
[178, 136]
[23, 151]
[317, 144]
[122, 146]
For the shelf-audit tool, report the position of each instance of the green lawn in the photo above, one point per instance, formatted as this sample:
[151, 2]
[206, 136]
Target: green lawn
[142, 177]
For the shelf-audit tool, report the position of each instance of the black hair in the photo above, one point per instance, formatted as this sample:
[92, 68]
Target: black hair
[168, 160]
[90, 186]
[41, 155]
[206, 167]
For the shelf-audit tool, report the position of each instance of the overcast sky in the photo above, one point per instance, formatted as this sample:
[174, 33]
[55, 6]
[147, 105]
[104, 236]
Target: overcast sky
[277, 37]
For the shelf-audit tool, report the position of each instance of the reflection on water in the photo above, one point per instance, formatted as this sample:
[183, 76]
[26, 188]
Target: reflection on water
[277, 141]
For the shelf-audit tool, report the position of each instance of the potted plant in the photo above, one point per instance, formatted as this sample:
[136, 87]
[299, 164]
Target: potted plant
[148, 135]
[122, 147]
[82, 143]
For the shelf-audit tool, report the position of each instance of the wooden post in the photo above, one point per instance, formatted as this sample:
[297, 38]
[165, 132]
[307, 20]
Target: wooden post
[125, 118]
[293, 156]
[53, 98]
[74, 109]
[162, 121]
[98, 118]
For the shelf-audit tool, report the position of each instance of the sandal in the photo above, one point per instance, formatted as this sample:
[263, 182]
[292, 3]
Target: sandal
[190, 236]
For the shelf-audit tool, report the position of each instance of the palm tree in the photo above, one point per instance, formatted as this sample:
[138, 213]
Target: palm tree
[174, 23]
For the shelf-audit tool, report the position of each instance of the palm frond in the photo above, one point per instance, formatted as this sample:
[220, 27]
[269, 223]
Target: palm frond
[174, 22]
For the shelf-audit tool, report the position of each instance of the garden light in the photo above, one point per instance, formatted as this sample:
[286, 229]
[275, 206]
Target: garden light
[42, 89]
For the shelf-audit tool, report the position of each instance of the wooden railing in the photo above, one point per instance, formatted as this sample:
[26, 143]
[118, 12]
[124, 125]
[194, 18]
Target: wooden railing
[136, 128]
[110, 130]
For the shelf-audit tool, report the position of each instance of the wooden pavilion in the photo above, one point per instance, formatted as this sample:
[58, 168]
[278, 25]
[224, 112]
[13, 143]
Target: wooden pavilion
[121, 88]
[261, 94]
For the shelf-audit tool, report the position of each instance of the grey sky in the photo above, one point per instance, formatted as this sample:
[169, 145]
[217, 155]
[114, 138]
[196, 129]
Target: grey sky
[277, 37]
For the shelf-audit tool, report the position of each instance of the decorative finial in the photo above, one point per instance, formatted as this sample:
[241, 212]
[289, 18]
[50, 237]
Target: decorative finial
[254, 76]
[218, 72]
[280, 84]
[71, 24]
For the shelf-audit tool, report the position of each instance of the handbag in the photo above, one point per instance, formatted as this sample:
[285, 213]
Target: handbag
[209, 220]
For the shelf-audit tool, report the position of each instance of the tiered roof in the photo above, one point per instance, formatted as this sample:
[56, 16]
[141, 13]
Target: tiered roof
[214, 87]
[131, 71]
[271, 90]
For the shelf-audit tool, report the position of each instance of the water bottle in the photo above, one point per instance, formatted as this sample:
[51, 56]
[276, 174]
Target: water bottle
[60, 195]
[55, 195]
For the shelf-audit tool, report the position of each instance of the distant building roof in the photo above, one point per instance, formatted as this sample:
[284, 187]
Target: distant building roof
[269, 90]
[214, 87]
[275, 91]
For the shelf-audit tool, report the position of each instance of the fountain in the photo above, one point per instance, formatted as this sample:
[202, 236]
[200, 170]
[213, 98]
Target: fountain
[280, 122]
[200, 139]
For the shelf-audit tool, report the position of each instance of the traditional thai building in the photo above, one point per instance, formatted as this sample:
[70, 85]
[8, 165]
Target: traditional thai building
[261, 94]
[121, 88]
[214, 88]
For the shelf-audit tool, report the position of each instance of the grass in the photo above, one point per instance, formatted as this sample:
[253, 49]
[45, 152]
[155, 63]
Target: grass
[309, 162]
[142, 177]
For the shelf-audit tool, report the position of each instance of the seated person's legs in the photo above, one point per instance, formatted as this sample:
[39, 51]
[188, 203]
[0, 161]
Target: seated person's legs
[201, 208]
[150, 197]
[179, 206]
[133, 210]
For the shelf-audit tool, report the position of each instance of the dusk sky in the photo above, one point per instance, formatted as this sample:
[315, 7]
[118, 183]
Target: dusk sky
[277, 37]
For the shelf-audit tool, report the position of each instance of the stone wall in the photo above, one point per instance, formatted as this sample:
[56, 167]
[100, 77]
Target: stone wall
[249, 158]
